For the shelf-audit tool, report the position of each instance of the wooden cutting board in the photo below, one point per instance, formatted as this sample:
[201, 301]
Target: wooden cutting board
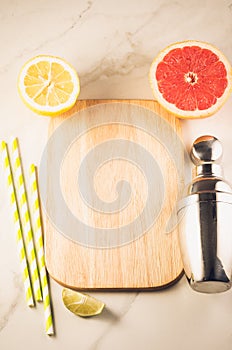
[106, 215]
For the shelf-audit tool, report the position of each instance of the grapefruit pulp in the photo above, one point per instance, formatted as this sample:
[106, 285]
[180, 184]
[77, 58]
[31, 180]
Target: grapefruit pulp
[191, 79]
[48, 85]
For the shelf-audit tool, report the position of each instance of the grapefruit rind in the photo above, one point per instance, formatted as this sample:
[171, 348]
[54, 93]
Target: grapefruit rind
[48, 110]
[171, 107]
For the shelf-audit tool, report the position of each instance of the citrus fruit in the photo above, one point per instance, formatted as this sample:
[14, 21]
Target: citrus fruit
[191, 79]
[81, 304]
[48, 85]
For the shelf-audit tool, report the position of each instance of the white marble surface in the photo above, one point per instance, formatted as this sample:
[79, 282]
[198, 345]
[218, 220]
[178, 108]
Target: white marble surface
[111, 44]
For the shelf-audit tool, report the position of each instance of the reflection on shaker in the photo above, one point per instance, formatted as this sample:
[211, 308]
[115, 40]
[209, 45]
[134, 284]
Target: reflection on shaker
[204, 214]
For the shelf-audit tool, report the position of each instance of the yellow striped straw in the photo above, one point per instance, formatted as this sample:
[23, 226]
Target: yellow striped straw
[37, 225]
[24, 211]
[16, 217]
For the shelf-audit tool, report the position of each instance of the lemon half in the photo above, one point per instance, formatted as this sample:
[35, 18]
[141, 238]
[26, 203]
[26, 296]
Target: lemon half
[191, 79]
[48, 85]
[81, 304]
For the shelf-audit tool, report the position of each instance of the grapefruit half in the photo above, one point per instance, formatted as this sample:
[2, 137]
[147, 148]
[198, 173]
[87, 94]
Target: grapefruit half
[191, 79]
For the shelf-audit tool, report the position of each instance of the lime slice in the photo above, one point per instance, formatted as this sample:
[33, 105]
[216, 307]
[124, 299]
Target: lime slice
[81, 304]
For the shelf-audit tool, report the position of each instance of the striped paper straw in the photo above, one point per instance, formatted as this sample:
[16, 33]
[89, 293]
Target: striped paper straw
[16, 217]
[24, 210]
[37, 225]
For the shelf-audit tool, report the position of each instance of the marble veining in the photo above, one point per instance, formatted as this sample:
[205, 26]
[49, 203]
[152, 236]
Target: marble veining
[74, 22]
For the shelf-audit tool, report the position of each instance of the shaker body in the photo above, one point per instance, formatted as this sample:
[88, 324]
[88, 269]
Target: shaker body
[205, 236]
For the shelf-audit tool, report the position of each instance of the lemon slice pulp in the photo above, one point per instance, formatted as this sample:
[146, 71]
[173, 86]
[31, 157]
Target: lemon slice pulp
[48, 85]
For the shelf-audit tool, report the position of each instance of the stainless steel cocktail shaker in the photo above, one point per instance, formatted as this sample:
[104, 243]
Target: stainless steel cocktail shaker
[205, 221]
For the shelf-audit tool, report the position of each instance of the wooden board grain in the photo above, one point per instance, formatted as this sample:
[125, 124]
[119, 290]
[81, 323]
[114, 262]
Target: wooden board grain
[151, 260]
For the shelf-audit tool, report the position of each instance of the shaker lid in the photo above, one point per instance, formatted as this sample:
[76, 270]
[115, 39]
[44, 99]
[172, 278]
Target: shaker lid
[206, 154]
